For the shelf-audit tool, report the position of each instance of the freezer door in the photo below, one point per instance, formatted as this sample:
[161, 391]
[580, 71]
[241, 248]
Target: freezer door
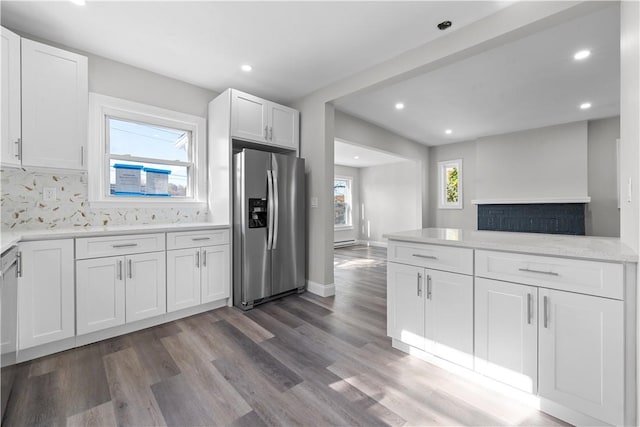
[252, 260]
[288, 253]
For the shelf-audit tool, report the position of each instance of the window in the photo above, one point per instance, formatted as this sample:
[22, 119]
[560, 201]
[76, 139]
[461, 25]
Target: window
[165, 148]
[342, 202]
[450, 184]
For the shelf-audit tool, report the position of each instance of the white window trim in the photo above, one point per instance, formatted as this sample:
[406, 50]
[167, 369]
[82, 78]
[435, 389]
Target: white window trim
[442, 184]
[348, 226]
[98, 160]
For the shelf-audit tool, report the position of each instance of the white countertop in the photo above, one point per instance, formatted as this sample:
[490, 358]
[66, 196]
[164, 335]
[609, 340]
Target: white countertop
[10, 238]
[586, 247]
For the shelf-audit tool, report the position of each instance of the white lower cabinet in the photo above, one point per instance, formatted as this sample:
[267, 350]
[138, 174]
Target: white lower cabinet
[581, 353]
[197, 276]
[506, 333]
[431, 310]
[114, 290]
[45, 292]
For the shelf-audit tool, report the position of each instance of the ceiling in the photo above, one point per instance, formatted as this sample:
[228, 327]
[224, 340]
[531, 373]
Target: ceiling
[295, 48]
[345, 155]
[529, 83]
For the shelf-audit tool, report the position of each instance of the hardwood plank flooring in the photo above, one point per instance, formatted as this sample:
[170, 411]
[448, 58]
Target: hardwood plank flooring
[301, 360]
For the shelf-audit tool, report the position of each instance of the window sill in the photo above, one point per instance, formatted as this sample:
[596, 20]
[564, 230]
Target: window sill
[343, 227]
[141, 202]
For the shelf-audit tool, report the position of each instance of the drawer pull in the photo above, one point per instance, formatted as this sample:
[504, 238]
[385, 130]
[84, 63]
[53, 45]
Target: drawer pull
[196, 239]
[425, 256]
[125, 245]
[528, 270]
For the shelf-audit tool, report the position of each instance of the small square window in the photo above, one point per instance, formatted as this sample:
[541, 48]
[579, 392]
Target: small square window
[450, 184]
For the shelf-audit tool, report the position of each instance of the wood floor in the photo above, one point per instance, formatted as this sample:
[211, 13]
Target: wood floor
[302, 360]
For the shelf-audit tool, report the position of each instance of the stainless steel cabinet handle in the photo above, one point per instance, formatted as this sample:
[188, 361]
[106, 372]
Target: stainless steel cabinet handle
[546, 311]
[271, 133]
[425, 256]
[19, 143]
[198, 259]
[428, 286]
[528, 270]
[529, 308]
[130, 269]
[82, 155]
[120, 270]
[125, 245]
[204, 257]
[19, 264]
[266, 132]
[419, 287]
[197, 239]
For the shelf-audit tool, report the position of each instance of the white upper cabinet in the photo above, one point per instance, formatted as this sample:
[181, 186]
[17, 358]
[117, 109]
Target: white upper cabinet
[54, 107]
[10, 92]
[256, 119]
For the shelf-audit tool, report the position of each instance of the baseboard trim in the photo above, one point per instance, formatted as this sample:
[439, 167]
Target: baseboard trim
[372, 243]
[321, 290]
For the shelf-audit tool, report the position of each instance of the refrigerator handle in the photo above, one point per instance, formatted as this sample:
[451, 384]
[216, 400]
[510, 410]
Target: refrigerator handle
[270, 209]
[276, 198]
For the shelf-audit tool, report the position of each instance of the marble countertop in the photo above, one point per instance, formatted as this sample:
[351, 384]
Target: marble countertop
[10, 238]
[585, 247]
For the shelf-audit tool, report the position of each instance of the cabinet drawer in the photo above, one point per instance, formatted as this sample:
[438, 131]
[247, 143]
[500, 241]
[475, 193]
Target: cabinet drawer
[587, 277]
[446, 258]
[195, 239]
[93, 247]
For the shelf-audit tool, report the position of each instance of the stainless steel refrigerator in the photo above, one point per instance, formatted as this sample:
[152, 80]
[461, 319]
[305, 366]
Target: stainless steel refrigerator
[268, 227]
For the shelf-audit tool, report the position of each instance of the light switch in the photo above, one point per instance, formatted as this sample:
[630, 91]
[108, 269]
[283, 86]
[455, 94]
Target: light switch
[314, 202]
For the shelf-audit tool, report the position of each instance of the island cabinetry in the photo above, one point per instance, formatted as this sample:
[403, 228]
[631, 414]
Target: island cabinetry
[575, 339]
[198, 268]
[428, 308]
[120, 279]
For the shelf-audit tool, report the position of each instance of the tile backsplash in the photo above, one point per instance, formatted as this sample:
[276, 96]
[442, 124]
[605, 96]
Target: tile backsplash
[23, 207]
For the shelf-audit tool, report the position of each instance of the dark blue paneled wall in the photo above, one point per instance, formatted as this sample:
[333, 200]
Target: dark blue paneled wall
[552, 218]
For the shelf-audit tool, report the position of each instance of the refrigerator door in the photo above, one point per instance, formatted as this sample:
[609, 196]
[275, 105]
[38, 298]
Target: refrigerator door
[288, 248]
[252, 260]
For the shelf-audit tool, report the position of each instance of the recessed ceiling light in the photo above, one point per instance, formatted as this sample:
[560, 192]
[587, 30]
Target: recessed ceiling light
[246, 68]
[356, 157]
[448, 131]
[399, 106]
[582, 54]
[585, 105]
[78, 2]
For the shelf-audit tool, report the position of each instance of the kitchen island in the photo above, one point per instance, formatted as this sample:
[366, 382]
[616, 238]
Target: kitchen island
[553, 316]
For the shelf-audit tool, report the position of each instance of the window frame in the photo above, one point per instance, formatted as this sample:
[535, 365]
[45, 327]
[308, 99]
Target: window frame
[102, 107]
[442, 184]
[349, 197]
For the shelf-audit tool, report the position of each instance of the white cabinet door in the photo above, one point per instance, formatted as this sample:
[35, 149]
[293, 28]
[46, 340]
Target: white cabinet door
[146, 292]
[183, 278]
[10, 94]
[284, 126]
[581, 353]
[405, 304]
[249, 117]
[506, 333]
[100, 293]
[449, 316]
[46, 292]
[54, 106]
[216, 283]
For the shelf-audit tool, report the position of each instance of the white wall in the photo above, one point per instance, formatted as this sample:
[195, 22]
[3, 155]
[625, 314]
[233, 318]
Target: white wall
[549, 162]
[603, 214]
[391, 199]
[353, 232]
